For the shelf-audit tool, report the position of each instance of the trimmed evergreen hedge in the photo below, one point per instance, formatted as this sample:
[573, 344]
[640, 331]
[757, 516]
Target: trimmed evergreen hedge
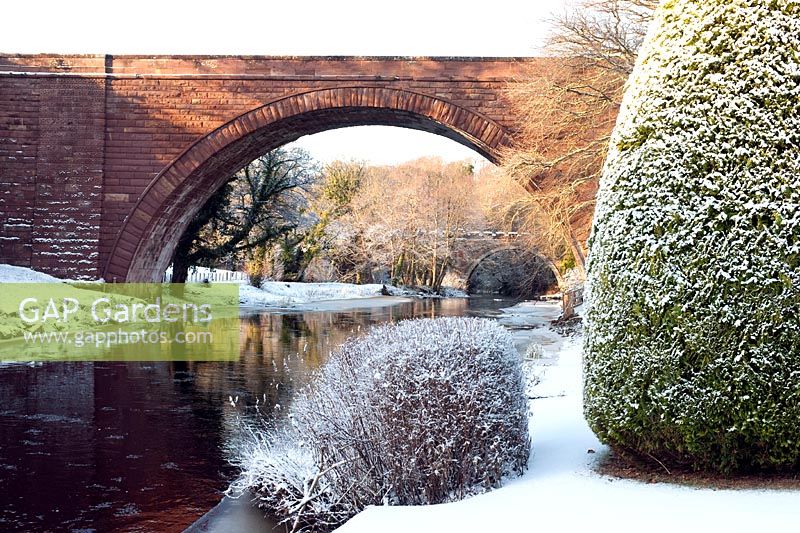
[693, 335]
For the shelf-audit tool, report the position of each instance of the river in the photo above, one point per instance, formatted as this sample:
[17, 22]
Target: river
[145, 446]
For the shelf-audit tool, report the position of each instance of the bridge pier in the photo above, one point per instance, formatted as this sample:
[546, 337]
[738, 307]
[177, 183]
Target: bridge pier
[51, 163]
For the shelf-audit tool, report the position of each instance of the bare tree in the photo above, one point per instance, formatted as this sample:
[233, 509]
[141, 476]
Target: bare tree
[568, 112]
[606, 34]
[405, 219]
[332, 199]
[507, 206]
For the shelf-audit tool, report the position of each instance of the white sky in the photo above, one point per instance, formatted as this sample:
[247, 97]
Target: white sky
[287, 27]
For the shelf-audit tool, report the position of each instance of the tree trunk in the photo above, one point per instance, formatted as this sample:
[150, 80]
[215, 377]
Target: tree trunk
[439, 280]
[180, 261]
[577, 251]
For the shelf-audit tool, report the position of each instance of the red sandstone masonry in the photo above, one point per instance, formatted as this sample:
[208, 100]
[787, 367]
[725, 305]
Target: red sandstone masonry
[102, 157]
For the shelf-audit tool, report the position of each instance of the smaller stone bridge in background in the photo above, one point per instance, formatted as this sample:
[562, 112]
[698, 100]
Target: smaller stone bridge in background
[473, 248]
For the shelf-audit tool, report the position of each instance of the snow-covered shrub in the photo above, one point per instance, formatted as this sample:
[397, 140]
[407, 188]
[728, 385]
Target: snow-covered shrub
[693, 345]
[534, 351]
[421, 412]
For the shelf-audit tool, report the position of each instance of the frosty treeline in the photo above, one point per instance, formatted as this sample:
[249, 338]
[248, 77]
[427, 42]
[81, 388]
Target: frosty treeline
[402, 224]
[284, 217]
[261, 203]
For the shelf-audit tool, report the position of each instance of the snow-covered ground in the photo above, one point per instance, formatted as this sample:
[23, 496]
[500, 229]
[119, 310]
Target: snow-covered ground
[272, 294]
[562, 492]
[15, 274]
[280, 294]
[285, 294]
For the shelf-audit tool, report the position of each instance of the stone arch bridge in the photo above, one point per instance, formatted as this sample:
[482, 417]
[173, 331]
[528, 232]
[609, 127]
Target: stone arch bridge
[474, 247]
[105, 159]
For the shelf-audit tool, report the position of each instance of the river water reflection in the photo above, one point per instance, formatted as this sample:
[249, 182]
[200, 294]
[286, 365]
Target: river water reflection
[143, 446]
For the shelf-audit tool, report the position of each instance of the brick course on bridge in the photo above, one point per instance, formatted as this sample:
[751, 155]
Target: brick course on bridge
[104, 159]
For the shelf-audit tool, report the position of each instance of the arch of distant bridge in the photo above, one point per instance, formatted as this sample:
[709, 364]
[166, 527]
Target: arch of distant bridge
[469, 271]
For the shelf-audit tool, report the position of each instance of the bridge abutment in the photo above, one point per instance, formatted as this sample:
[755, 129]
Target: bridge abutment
[52, 133]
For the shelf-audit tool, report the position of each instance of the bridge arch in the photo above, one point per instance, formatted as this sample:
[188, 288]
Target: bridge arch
[144, 246]
[505, 248]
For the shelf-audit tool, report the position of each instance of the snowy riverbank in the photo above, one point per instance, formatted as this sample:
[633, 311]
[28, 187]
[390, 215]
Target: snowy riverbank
[279, 294]
[15, 274]
[284, 294]
[561, 490]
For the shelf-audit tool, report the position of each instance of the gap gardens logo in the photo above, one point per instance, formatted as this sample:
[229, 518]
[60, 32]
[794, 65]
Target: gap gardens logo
[118, 322]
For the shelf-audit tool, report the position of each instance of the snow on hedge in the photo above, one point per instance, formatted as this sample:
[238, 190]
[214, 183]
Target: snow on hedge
[693, 348]
[421, 412]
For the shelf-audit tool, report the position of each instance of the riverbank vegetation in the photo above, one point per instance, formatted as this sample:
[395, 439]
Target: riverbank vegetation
[420, 412]
[261, 203]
